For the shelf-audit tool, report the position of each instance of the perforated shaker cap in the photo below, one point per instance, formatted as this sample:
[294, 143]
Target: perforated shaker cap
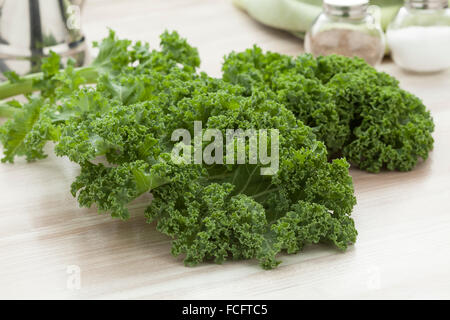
[427, 4]
[348, 3]
[352, 9]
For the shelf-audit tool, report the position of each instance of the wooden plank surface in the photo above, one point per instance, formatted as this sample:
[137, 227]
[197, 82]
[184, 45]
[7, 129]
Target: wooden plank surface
[403, 219]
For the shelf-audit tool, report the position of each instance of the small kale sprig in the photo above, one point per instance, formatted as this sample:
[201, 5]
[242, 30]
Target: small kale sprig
[42, 118]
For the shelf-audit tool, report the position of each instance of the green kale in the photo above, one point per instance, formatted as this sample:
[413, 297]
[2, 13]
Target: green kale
[124, 73]
[219, 211]
[356, 111]
[119, 133]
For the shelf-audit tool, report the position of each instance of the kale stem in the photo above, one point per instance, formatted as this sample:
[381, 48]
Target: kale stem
[88, 73]
[7, 111]
[25, 85]
[263, 193]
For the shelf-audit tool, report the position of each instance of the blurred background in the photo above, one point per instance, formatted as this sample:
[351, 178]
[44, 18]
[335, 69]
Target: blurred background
[418, 31]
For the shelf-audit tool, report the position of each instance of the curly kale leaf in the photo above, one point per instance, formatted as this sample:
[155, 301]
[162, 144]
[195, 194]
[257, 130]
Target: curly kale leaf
[28, 131]
[113, 188]
[207, 222]
[123, 134]
[211, 219]
[308, 223]
[120, 56]
[393, 138]
[355, 110]
[239, 220]
[293, 83]
[390, 128]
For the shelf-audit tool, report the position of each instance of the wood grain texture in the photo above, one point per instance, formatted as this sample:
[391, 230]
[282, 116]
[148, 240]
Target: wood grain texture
[403, 219]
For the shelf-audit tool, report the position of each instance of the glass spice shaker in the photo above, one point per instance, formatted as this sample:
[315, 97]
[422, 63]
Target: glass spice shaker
[349, 28]
[419, 36]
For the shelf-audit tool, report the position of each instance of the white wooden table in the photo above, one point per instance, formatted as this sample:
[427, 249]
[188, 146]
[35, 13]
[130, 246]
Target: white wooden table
[403, 219]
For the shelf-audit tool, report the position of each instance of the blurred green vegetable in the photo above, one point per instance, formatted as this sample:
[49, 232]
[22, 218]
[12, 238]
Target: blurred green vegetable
[297, 16]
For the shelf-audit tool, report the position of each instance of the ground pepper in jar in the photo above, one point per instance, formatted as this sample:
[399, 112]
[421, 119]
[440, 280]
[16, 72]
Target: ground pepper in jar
[347, 28]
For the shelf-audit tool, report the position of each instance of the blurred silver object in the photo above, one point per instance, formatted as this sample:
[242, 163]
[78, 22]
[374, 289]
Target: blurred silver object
[30, 29]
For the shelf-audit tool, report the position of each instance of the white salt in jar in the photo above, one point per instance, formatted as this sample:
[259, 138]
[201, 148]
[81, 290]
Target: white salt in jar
[419, 36]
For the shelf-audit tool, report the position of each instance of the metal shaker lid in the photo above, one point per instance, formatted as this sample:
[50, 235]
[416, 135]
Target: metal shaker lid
[353, 9]
[427, 4]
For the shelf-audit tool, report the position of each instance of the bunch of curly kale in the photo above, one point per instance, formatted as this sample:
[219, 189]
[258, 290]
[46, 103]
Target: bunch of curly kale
[357, 112]
[119, 132]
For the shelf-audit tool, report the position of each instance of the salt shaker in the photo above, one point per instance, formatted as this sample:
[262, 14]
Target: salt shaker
[419, 36]
[349, 28]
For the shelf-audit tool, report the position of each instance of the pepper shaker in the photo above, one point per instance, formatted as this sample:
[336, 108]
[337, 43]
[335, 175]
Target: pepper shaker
[349, 28]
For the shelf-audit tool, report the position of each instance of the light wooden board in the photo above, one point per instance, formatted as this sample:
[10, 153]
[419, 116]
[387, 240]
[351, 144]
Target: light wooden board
[403, 219]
